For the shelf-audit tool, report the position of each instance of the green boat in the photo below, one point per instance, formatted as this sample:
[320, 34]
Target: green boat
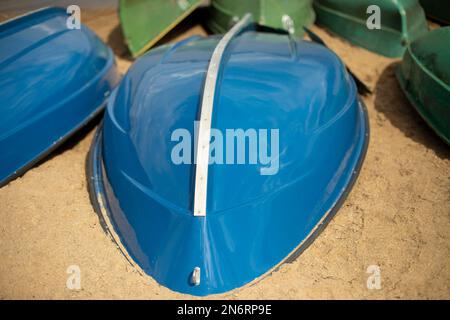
[401, 22]
[290, 15]
[144, 22]
[424, 76]
[438, 10]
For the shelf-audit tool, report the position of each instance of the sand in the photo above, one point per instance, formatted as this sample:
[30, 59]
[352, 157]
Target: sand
[397, 216]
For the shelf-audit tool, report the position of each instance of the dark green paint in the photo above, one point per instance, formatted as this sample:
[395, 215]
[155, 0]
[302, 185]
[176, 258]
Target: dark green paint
[224, 13]
[144, 22]
[402, 21]
[424, 75]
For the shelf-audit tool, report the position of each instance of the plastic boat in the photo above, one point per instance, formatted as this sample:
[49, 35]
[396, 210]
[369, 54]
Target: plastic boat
[290, 15]
[400, 23]
[53, 80]
[204, 217]
[424, 76]
[145, 22]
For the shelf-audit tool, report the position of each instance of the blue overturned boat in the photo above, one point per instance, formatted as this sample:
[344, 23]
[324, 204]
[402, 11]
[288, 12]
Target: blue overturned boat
[53, 80]
[220, 158]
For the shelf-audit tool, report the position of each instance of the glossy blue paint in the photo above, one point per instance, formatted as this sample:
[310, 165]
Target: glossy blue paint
[52, 81]
[253, 221]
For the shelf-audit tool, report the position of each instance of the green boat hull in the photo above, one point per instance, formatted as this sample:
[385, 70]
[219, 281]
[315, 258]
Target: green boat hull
[290, 15]
[424, 76]
[438, 10]
[402, 21]
[144, 22]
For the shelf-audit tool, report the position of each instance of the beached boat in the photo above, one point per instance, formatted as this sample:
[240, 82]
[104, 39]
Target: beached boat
[383, 26]
[220, 158]
[145, 22]
[53, 79]
[290, 15]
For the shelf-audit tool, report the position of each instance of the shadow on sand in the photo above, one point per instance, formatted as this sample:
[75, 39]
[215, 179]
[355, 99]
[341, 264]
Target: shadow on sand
[116, 41]
[392, 103]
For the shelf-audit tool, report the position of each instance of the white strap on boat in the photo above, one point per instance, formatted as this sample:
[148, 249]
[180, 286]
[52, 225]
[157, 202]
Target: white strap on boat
[204, 129]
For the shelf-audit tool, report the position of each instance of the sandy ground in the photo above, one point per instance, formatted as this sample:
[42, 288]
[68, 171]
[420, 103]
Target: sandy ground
[397, 216]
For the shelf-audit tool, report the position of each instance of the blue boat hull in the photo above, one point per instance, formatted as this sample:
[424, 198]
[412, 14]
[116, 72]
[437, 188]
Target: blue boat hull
[253, 222]
[53, 80]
